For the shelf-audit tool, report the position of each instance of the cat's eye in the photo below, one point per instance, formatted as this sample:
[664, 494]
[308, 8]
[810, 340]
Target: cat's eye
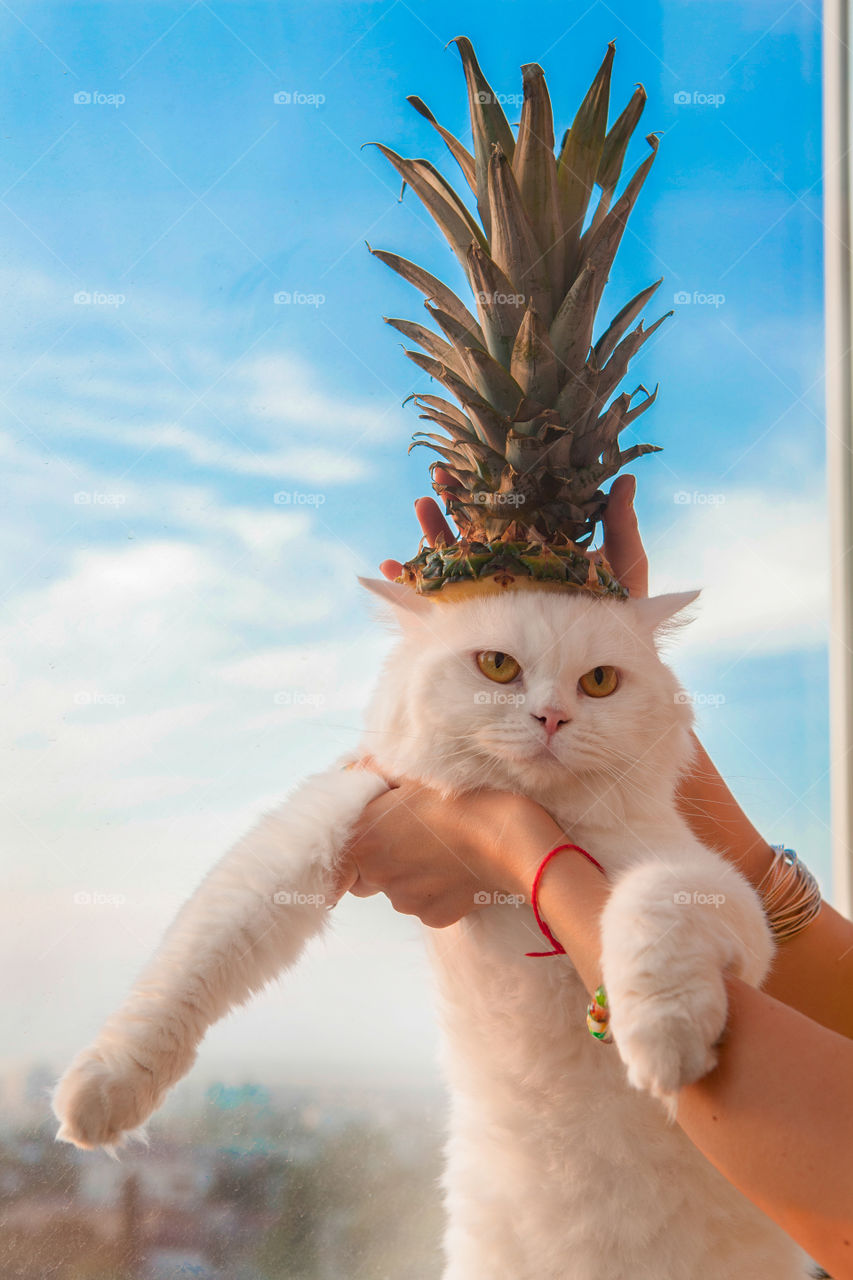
[498, 666]
[599, 682]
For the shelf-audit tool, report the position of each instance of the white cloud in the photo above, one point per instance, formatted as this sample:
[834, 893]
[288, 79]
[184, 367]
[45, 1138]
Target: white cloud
[140, 380]
[761, 559]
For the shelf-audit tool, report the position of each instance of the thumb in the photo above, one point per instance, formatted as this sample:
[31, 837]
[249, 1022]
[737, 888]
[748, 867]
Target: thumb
[344, 877]
[623, 545]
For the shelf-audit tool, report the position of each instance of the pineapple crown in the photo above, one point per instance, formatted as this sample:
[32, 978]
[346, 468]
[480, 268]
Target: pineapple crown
[536, 429]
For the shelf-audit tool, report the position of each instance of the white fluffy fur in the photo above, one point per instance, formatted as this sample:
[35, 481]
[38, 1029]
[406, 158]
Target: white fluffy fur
[562, 1160]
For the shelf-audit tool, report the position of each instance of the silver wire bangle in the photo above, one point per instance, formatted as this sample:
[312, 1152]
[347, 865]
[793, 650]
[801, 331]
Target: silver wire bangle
[790, 894]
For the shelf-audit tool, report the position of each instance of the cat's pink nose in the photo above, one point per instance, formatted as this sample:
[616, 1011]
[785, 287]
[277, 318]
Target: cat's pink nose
[552, 720]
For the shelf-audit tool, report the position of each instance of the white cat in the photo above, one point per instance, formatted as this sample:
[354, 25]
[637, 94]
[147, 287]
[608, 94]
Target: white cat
[562, 1160]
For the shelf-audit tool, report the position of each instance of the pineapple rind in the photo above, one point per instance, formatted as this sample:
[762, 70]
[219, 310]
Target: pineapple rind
[497, 566]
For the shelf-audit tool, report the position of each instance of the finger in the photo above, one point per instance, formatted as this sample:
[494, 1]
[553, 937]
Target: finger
[432, 522]
[362, 890]
[367, 762]
[363, 762]
[623, 545]
[444, 480]
[624, 488]
[345, 877]
[368, 821]
[391, 569]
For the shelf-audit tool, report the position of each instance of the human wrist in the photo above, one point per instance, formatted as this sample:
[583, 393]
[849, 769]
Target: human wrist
[515, 836]
[510, 837]
[571, 896]
[528, 835]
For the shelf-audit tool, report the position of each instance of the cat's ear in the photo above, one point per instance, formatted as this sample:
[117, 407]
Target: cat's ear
[405, 600]
[664, 614]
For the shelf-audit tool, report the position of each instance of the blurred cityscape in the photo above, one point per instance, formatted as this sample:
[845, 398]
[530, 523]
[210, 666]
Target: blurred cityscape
[239, 1182]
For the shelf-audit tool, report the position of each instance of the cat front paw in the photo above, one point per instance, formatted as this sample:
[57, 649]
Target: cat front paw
[102, 1097]
[670, 935]
[669, 1040]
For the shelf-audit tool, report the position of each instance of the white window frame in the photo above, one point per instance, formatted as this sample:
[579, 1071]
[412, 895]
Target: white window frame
[838, 267]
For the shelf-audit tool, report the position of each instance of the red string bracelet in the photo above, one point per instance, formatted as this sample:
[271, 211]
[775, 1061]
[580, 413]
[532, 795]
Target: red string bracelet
[559, 949]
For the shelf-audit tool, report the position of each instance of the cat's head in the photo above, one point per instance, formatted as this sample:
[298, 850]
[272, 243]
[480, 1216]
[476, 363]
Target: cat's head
[524, 688]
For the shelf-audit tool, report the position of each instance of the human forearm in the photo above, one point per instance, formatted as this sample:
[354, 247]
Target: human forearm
[779, 1127]
[716, 818]
[813, 971]
[572, 892]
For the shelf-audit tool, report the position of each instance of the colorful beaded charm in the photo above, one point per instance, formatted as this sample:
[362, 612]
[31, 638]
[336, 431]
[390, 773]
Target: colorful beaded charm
[598, 1016]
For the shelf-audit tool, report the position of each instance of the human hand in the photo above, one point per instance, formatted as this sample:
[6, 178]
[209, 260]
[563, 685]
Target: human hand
[439, 859]
[623, 547]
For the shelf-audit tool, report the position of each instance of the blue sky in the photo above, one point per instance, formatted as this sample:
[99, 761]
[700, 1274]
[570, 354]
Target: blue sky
[179, 648]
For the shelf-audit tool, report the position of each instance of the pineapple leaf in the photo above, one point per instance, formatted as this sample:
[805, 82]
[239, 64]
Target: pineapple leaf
[640, 409]
[489, 125]
[601, 245]
[535, 168]
[499, 304]
[460, 153]
[471, 450]
[513, 245]
[571, 330]
[431, 287]
[436, 369]
[534, 365]
[617, 366]
[577, 397]
[580, 157]
[486, 421]
[525, 453]
[608, 340]
[440, 201]
[613, 154]
[495, 384]
[430, 341]
[603, 432]
[460, 335]
[476, 459]
[446, 409]
[490, 425]
[449, 425]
